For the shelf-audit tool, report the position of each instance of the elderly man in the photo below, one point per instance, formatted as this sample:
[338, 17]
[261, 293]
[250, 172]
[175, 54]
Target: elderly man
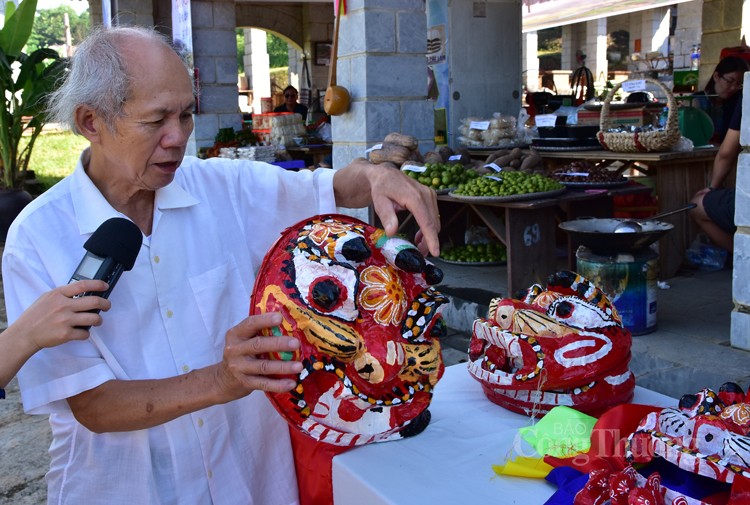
[163, 402]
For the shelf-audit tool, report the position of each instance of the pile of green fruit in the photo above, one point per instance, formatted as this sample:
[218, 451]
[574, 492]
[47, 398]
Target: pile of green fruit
[508, 184]
[492, 252]
[443, 175]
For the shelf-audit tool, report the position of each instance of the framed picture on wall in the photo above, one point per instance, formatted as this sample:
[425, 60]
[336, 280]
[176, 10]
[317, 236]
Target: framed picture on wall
[323, 53]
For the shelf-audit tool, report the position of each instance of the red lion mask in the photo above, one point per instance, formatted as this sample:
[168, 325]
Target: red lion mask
[362, 306]
[563, 345]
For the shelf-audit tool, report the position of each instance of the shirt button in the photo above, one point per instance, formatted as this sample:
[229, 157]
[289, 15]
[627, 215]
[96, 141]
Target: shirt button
[185, 368]
[210, 474]
[200, 423]
[156, 259]
[170, 313]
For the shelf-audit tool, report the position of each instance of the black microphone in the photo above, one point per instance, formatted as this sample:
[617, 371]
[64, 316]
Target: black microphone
[110, 251]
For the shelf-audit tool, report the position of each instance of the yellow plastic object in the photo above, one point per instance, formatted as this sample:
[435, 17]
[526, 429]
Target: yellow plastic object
[563, 432]
[534, 468]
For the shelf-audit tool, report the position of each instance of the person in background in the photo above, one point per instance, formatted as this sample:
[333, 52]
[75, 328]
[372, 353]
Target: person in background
[290, 103]
[164, 402]
[719, 98]
[57, 316]
[714, 213]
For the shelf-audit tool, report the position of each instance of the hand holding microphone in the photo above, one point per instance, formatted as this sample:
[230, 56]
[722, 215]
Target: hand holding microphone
[111, 250]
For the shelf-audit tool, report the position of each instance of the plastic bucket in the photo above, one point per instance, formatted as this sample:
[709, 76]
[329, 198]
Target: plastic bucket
[630, 282]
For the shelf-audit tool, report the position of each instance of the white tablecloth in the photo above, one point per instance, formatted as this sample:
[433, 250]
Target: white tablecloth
[451, 461]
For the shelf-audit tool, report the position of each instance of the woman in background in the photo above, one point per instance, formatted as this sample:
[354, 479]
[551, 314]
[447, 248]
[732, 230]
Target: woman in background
[290, 103]
[719, 98]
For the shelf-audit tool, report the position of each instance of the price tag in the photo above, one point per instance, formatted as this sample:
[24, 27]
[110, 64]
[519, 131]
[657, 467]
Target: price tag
[413, 168]
[479, 125]
[634, 85]
[373, 148]
[455, 157]
[494, 167]
[545, 119]
[576, 174]
[494, 178]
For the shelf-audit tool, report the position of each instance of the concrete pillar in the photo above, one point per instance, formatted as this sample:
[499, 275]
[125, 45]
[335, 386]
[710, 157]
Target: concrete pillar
[655, 35]
[740, 327]
[568, 50]
[256, 54]
[530, 41]
[215, 56]
[596, 49]
[381, 61]
[295, 68]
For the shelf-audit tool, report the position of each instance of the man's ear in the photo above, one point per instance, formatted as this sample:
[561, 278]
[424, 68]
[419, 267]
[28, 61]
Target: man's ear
[88, 123]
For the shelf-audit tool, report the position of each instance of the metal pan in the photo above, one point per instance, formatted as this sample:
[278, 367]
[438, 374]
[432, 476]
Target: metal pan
[598, 234]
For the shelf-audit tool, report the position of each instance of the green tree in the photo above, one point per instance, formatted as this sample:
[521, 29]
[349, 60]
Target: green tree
[240, 34]
[49, 27]
[278, 51]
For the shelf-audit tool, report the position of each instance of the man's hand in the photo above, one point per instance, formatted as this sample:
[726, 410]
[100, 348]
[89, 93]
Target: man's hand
[389, 190]
[245, 369]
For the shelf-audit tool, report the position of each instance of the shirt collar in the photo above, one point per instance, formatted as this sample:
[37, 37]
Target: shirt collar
[92, 209]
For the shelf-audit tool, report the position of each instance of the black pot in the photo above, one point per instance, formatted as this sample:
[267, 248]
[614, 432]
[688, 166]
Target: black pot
[12, 202]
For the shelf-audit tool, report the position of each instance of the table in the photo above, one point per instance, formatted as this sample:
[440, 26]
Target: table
[313, 154]
[451, 461]
[677, 176]
[528, 228]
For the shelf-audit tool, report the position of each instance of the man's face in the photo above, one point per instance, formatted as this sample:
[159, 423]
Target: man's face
[149, 140]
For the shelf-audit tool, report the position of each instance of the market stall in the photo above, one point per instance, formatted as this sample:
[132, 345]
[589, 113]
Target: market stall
[677, 177]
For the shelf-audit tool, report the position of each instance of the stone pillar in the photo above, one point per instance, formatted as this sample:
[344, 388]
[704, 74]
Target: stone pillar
[655, 35]
[257, 66]
[568, 50]
[530, 60]
[132, 13]
[596, 49]
[215, 56]
[740, 327]
[381, 61]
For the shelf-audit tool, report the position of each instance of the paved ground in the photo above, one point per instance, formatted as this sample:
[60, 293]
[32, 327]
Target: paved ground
[689, 350]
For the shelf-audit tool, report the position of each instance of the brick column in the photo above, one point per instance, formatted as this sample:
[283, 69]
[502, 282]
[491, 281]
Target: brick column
[257, 65]
[215, 56]
[596, 49]
[740, 328]
[382, 63]
[530, 43]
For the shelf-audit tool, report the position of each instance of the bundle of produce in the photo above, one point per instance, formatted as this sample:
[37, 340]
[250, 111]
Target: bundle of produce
[504, 160]
[440, 176]
[506, 184]
[497, 131]
[397, 149]
[491, 252]
[560, 345]
[586, 171]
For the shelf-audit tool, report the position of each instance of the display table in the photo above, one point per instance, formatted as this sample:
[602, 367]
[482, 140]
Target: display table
[677, 176]
[451, 461]
[528, 228]
[313, 154]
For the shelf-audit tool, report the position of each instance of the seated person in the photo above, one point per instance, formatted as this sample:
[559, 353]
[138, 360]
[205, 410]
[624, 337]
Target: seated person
[290, 103]
[719, 98]
[714, 213]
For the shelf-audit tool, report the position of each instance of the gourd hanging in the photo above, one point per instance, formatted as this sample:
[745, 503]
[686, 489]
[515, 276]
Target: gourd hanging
[337, 99]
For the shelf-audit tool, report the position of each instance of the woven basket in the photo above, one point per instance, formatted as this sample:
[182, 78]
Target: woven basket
[626, 142]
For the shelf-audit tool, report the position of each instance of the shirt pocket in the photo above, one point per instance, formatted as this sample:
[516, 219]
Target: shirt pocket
[221, 297]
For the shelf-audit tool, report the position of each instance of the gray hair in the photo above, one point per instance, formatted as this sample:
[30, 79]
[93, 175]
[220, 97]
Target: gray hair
[97, 76]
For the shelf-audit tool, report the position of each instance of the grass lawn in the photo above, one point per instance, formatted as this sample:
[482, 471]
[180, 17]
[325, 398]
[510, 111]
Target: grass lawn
[55, 155]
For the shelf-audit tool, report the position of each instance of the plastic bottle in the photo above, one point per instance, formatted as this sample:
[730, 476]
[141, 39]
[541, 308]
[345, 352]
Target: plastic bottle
[695, 57]
[663, 117]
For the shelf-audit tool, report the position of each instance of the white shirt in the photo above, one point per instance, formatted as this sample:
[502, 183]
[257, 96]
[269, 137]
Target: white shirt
[192, 281]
